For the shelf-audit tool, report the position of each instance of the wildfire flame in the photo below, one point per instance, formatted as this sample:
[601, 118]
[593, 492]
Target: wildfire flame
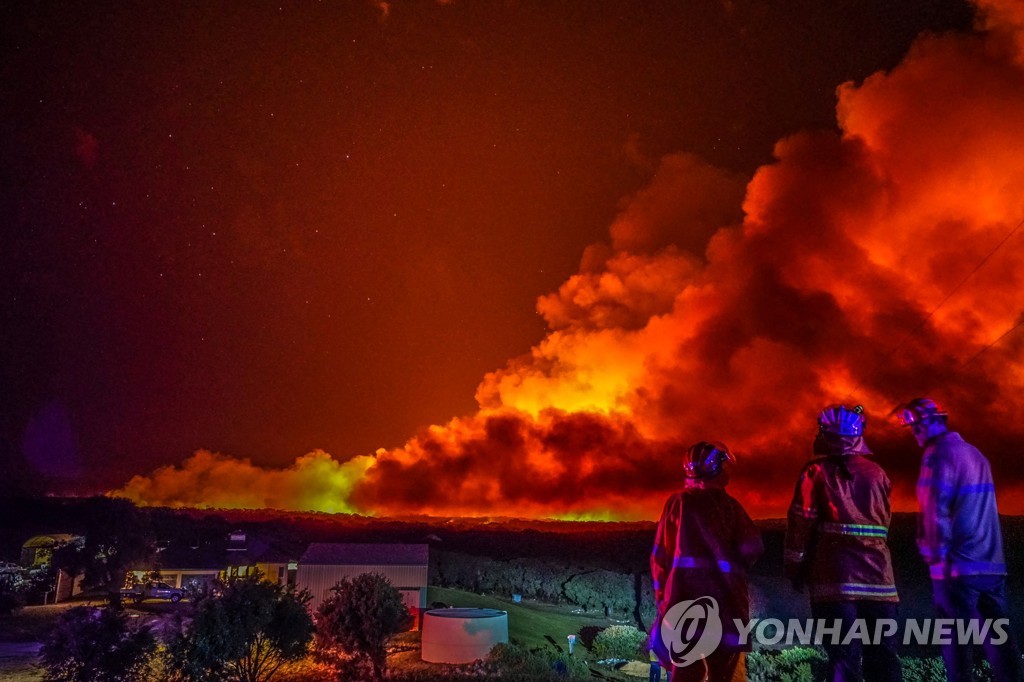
[833, 284]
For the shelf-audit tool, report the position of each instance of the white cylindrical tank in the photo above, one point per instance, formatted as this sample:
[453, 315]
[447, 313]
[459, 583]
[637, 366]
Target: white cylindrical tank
[462, 635]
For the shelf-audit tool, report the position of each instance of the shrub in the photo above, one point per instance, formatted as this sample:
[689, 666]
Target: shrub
[513, 662]
[923, 669]
[566, 666]
[533, 578]
[648, 609]
[806, 664]
[246, 633]
[601, 591]
[621, 641]
[512, 658]
[796, 664]
[358, 619]
[97, 645]
[12, 592]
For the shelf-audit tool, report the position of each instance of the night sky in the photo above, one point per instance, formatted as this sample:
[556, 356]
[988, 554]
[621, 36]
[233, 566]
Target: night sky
[266, 230]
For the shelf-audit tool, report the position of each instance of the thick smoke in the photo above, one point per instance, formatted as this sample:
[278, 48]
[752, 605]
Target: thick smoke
[821, 290]
[314, 482]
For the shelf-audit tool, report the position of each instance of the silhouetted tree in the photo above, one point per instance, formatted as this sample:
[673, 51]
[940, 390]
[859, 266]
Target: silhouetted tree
[359, 618]
[242, 631]
[97, 645]
[117, 539]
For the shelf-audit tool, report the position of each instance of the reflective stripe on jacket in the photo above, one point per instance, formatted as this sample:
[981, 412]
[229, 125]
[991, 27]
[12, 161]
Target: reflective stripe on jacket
[704, 546]
[958, 529]
[837, 528]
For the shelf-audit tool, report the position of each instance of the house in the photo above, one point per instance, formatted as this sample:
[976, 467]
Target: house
[38, 549]
[247, 554]
[237, 555]
[405, 566]
[36, 555]
[180, 566]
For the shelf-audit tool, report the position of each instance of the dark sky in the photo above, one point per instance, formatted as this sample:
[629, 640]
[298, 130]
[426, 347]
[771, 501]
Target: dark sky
[265, 228]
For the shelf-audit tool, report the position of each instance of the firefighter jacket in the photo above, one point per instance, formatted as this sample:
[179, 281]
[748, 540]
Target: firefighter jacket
[704, 546]
[958, 528]
[837, 528]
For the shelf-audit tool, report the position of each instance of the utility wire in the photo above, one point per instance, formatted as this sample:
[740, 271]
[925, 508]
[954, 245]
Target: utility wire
[1001, 337]
[971, 359]
[929, 316]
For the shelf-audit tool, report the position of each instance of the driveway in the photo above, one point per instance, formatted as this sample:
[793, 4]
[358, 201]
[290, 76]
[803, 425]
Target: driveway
[18, 661]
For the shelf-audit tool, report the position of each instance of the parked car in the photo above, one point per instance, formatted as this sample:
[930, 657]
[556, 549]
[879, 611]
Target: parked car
[152, 590]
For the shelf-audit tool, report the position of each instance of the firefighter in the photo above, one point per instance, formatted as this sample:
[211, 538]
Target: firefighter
[959, 537]
[836, 547]
[704, 546]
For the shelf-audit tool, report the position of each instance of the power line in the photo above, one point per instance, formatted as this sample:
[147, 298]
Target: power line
[971, 359]
[929, 316]
[1001, 337]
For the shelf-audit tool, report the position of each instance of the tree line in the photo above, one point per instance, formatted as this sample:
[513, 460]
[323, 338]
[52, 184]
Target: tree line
[595, 590]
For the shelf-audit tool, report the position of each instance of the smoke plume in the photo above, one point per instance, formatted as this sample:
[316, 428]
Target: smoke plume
[862, 266]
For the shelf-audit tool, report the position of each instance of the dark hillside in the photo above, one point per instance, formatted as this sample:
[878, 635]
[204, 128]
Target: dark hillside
[573, 550]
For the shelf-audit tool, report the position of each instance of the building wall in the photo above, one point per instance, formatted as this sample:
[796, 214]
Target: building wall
[278, 573]
[319, 579]
[179, 577]
[67, 586]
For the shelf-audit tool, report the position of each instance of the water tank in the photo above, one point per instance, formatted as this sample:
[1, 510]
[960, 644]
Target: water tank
[462, 635]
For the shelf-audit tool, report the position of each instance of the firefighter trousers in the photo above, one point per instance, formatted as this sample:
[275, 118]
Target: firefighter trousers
[856, 661]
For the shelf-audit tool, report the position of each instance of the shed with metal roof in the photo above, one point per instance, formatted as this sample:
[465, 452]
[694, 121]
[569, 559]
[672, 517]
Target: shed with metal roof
[404, 565]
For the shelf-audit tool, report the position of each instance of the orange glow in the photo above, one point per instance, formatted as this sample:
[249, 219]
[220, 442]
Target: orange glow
[824, 288]
[314, 482]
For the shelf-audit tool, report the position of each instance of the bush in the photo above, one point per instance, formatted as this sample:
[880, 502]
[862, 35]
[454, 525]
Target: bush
[357, 621]
[12, 592]
[648, 608]
[923, 669]
[97, 645]
[601, 591]
[621, 641]
[806, 664]
[246, 633]
[532, 578]
[512, 658]
[513, 662]
[566, 666]
[796, 664]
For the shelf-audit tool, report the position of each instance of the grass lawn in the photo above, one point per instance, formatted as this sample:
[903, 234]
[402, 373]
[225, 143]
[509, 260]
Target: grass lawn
[18, 664]
[535, 626]
[30, 623]
[20, 633]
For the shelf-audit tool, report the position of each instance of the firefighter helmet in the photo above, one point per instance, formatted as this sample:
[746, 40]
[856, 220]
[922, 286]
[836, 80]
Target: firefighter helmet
[841, 420]
[921, 411]
[705, 460]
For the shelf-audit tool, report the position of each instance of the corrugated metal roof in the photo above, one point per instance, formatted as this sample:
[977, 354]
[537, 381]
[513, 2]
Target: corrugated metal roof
[365, 554]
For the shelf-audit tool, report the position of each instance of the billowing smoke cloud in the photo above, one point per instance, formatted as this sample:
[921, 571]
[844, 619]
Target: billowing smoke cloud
[833, 284]
[314, 482]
